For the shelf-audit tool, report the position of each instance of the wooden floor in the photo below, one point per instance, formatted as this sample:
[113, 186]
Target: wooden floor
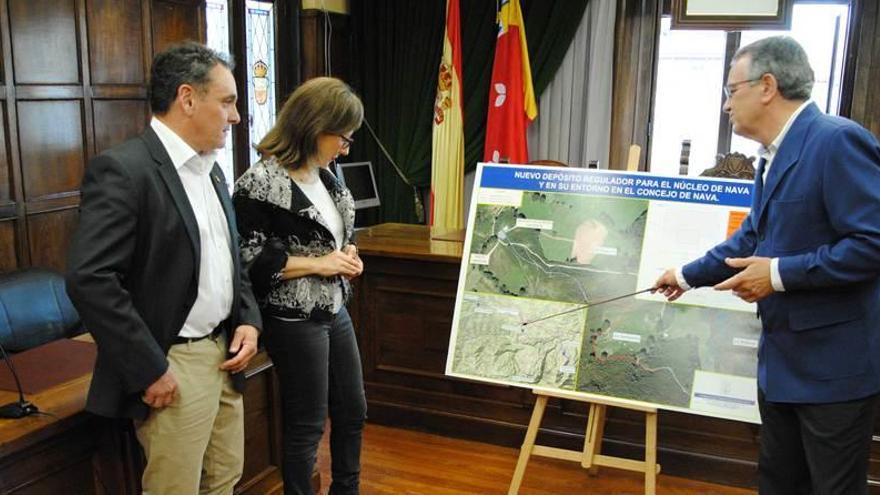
[405, 462]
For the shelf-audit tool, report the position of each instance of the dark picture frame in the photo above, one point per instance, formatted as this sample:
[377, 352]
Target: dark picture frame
[706, 14]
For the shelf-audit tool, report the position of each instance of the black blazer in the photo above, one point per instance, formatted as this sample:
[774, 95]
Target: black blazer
[133, 269]
[276, 220]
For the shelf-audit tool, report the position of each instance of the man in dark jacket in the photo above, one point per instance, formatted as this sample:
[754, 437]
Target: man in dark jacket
[155, 272]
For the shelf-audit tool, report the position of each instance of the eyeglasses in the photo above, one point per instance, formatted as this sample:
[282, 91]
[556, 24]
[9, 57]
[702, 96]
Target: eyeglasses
[347, 141]
[729, 89]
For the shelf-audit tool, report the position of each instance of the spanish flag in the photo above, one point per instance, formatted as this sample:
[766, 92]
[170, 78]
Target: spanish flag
[511, 96]
[447, 153]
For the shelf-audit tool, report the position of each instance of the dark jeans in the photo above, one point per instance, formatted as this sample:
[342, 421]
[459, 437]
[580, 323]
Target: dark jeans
[818, 449]
[319, 369]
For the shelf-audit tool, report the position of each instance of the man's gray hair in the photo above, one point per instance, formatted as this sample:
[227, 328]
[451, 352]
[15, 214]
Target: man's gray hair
[783, 57]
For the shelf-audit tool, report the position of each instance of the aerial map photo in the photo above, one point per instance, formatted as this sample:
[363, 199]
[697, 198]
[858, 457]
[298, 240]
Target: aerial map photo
[556, 246]
[538, 260]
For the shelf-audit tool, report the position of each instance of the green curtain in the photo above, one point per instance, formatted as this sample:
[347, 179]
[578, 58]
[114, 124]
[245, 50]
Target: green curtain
[397, 47]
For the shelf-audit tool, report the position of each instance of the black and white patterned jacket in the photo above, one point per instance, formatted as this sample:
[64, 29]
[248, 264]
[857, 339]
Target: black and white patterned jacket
[277, 220]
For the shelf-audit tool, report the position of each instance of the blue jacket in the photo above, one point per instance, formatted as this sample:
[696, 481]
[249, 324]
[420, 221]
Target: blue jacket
[819, 213]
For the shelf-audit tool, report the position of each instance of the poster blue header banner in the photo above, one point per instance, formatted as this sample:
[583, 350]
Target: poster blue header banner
[618, 184]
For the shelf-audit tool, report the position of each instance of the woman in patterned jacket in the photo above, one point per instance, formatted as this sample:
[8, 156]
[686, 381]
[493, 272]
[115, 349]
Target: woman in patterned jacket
[296, 223]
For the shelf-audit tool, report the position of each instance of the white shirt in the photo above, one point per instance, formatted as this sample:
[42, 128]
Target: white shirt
[320, 197]
[214, 300]
[768, 153]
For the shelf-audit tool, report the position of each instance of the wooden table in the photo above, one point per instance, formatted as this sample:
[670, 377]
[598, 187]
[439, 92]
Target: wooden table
[73, 451]
[410, 242]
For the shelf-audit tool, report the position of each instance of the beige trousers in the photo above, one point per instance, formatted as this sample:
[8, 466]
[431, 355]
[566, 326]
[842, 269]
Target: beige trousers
[195, 445]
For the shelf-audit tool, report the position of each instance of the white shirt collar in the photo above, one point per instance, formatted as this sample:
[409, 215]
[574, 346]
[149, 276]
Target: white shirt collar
[179, 151]
[770, 151]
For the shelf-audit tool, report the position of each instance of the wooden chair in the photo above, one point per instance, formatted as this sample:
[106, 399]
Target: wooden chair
[685, 158]
[548, 163]
[733, 165]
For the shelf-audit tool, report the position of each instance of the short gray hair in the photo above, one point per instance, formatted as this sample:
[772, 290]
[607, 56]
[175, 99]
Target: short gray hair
[786, 60]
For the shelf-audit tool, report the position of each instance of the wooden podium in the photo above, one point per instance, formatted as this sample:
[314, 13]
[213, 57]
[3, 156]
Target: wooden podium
[589, 457]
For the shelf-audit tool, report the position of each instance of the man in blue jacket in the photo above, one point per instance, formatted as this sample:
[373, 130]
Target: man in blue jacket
[809, 254]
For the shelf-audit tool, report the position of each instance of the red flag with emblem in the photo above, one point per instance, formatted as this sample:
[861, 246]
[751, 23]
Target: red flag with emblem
[511, 95]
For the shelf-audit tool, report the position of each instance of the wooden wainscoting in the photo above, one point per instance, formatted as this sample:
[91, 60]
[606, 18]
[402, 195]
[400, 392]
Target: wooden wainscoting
[73, 82]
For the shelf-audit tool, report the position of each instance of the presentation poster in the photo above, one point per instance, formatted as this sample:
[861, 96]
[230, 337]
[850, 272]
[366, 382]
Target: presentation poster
[544, 242]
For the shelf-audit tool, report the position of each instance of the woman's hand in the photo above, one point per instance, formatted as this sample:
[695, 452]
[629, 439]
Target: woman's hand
[338, 263]
[352, 251]
[346, 263]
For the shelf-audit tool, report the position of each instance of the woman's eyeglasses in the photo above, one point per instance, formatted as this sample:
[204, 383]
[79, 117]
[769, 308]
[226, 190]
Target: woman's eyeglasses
[347, 141]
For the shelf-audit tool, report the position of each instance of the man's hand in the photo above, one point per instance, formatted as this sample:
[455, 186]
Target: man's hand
[667, 285]
[162, 392]
[243, 348]
[753, 282]
[352, 251]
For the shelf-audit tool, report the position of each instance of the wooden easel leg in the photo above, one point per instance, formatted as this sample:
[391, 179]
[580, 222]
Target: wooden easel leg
[590, 458]
[601, 409]
[593, 437]
[650, 453]
[528, 444]
[589, 450]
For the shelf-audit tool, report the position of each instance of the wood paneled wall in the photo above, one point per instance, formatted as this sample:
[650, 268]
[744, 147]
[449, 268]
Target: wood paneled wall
[74, 76]
[313, 28]
[865, 104]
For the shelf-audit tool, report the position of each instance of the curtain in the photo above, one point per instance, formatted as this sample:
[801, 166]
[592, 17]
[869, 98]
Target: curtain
[574, 123]
[397, 46]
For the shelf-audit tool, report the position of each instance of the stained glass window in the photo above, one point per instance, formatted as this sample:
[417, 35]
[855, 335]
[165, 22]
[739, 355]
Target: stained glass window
[261, 70]
[217, 19]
